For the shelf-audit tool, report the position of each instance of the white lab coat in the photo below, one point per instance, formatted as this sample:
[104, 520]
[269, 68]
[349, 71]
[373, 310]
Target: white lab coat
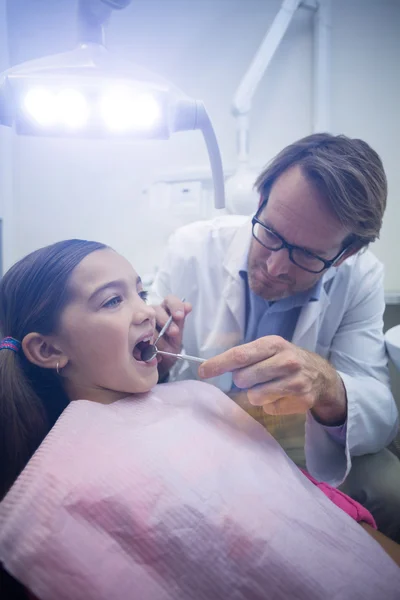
[202, 263]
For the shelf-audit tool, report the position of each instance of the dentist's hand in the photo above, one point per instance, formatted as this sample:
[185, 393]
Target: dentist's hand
[283, 379]
[171, 341]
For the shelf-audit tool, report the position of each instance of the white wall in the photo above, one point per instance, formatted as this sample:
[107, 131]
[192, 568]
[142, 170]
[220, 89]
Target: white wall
[366, 100]
[93, 189]
[6, 151]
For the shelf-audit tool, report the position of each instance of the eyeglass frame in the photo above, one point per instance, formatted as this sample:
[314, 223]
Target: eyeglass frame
[291, 247]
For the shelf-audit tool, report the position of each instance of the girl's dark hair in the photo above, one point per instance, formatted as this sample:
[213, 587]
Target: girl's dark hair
[33, 294]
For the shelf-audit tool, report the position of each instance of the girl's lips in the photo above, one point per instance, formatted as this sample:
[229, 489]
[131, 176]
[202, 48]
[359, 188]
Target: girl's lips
[151, 363]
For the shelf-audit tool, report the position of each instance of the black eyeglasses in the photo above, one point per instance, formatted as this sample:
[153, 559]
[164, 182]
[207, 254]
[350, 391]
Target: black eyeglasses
[299, 256]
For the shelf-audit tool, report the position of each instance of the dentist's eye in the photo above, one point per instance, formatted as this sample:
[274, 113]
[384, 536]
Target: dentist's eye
[113, 302]
[144, 295]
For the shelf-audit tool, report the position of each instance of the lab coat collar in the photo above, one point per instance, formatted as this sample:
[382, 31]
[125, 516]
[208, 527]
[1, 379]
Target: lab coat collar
[238, 249]
[234, 291]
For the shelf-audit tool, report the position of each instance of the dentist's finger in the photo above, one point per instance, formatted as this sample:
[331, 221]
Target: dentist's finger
[176, 307]
[162, 316]
[241, 356]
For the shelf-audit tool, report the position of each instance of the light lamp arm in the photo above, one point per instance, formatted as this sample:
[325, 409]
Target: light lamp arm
[93, 15]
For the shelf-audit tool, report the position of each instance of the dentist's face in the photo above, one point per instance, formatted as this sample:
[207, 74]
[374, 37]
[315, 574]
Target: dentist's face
[299, 213]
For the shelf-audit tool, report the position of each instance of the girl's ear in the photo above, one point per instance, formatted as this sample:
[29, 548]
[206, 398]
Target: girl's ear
[42, 351]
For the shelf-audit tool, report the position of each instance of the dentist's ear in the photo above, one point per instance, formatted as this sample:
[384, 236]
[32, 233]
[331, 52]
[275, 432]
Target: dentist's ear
[351, 250]
[43, 352]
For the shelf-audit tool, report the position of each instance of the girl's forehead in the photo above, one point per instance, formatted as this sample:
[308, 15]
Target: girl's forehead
[98, 269]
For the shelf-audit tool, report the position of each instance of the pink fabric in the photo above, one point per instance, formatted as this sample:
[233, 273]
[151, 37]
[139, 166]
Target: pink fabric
[180, 495]
[354, 509]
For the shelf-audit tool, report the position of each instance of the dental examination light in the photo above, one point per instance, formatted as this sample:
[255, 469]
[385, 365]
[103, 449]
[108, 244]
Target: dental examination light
[87, 93]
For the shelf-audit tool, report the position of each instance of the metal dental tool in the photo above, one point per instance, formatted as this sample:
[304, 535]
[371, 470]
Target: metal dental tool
[151, 351]
[167, 324]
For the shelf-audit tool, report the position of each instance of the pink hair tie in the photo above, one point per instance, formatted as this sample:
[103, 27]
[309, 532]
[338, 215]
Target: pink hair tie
[9, 343]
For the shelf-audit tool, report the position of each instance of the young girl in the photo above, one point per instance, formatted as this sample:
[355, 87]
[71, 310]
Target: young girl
[134, 492]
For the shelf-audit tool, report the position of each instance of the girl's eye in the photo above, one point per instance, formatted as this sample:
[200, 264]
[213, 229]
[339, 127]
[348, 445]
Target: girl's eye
[144, 295]
[115, 301]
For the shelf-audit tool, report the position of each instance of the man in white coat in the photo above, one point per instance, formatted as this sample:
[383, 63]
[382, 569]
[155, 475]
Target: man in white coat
[288, 306]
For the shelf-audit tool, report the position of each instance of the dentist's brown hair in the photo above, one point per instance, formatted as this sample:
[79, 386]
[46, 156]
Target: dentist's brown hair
[348, 172]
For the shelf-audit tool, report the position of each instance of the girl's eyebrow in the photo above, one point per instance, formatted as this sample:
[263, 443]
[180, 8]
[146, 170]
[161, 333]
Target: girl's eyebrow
[117, 283]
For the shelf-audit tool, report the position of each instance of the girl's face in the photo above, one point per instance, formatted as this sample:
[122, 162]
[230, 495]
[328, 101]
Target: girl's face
[101, 327]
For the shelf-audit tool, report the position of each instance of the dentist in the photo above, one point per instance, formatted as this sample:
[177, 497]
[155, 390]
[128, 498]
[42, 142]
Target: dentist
[288, 308]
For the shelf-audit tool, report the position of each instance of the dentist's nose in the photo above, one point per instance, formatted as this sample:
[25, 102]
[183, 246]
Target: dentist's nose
[278, 263]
